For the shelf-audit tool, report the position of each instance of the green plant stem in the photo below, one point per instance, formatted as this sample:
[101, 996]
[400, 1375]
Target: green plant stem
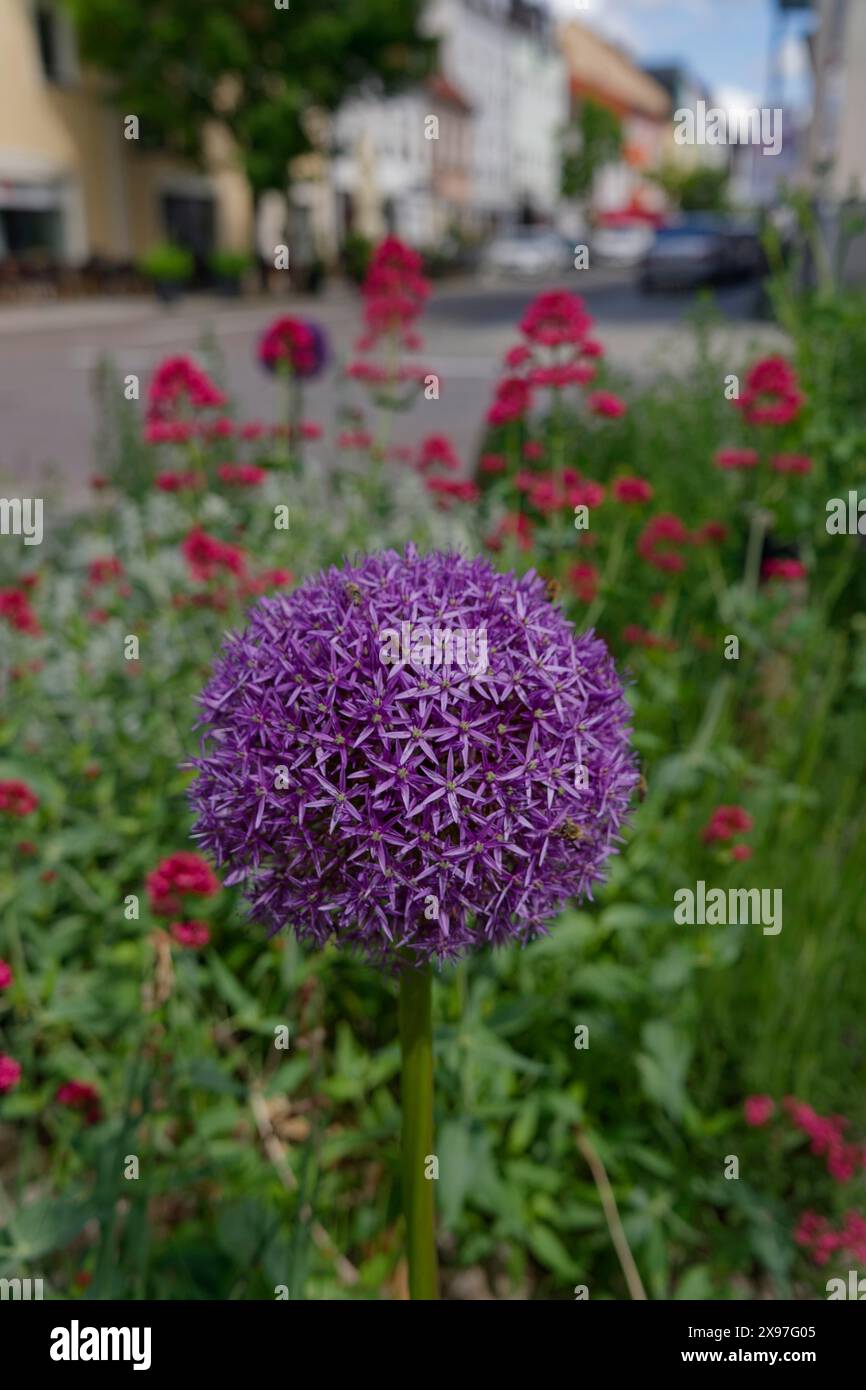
[416, 1047]
[759, 523]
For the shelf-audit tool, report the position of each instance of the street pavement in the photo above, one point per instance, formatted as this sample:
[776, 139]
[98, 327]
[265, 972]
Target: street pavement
[48, 353]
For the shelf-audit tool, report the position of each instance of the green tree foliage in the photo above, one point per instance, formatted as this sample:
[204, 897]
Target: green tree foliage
[259, 69]
[696, 190]
[591, 141]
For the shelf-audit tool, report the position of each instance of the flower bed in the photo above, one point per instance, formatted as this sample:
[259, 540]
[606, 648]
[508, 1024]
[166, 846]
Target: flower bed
[140, 1007]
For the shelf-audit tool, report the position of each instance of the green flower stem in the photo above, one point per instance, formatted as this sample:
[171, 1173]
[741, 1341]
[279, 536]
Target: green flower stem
[759, 523]
[609, 578]
[416, 1047]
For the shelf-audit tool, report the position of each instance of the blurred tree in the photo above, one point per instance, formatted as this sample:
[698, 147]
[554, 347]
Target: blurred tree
[260, 69]
[591, 141]
[704, 189]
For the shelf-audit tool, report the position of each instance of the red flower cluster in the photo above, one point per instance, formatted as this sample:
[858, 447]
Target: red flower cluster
[176, 380]
[772, 395]
[583, 579]
[513, 399]
[632, 490]
[355, 439]
[786, 570]
[661, 541]
[17, 799]
[758, 1110]
[191, 935]
[241, 474]
[493, 463]
[10, 1073]
[556, 318]
[79, 1095]
[825, 1133]
[548, 493]
[556, 323]
[296, 343]
[724, 824]
[732, 459]
[665, 537]
[452, 489]
[607, 404]
[395, 292]
[5, 974]
[16, 609]
[178, 876]
[168, 431]
[171, 481]
[437, 451]
[103, 571]
[206, 556]
[815, 1234]
[558, 375]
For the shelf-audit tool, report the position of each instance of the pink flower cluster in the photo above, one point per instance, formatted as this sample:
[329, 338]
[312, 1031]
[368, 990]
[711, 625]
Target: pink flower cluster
[395, 292]
[788, 570]
[10, 1073]
[724, 825]
[665, 539]
[15, 606]
[80, 1095]
[556, 354]
[294, 344]
[844, 1161]
[176, 381]
[826, 1135]
[772, 395]
[180, 875]
[16, 798]
[206, 556]
[816, 1235]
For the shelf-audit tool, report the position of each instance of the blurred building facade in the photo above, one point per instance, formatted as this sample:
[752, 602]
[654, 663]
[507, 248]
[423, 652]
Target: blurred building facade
[72, 187]
[402, 164]
[601, 72]
[490, 155]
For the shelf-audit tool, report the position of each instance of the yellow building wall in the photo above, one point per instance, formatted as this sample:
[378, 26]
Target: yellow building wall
[50, 131]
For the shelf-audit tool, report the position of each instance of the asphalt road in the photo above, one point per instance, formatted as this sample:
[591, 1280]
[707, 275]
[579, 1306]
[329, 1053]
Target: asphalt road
[48, 353]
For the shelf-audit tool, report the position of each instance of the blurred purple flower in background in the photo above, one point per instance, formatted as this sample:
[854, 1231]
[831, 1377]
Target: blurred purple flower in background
[298, 344]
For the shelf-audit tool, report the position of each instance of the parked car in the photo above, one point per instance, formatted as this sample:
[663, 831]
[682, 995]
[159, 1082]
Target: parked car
[621, 243]
[701, 251]
[528, 251]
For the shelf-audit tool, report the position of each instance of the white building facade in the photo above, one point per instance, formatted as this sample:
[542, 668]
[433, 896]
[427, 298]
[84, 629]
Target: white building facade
[508, 105]
[540, 105]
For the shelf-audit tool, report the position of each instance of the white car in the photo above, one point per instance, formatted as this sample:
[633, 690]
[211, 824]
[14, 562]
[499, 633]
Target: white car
[621, 245]
[527, 251]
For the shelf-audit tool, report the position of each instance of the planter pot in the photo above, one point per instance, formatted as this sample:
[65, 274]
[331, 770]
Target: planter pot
[168, 291]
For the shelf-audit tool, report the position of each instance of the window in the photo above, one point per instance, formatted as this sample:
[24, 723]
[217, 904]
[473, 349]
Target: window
[189, 220]
[56, 41]
[46, 33]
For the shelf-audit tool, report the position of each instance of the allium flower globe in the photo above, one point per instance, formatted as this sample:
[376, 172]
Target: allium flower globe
[421, 809]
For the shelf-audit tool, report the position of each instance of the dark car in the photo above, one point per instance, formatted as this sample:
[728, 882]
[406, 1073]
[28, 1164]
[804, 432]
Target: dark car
[701, 251]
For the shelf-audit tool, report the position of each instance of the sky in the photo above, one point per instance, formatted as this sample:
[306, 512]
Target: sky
[724, 43]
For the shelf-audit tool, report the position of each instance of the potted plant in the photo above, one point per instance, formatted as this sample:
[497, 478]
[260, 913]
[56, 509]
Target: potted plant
[228, 269]
[169, 268]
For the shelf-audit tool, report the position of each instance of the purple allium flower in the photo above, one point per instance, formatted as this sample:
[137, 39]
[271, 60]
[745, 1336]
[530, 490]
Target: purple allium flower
[405, 806]
[298, 342]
